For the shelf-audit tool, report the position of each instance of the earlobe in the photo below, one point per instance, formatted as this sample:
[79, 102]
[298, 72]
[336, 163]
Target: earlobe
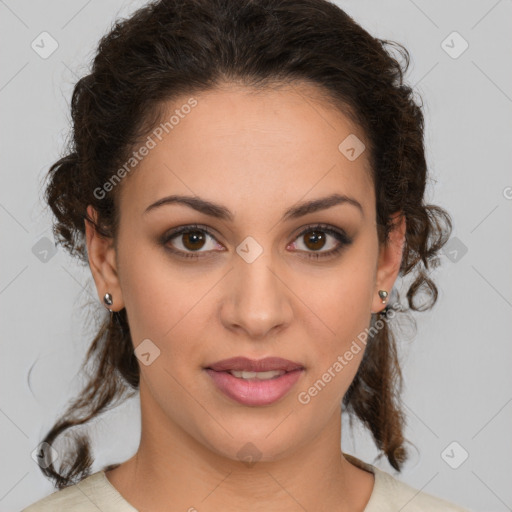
[390, 259]
[102, 262]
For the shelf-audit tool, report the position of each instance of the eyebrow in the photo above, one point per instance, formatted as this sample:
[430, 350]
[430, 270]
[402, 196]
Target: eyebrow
[221, 212]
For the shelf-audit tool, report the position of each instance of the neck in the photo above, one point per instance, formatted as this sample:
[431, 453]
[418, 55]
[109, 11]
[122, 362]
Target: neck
[171, 466]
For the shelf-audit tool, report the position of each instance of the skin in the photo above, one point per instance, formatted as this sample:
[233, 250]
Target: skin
[257, 154]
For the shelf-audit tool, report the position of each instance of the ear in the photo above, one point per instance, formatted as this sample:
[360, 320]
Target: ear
[102, 262]
[390, 258]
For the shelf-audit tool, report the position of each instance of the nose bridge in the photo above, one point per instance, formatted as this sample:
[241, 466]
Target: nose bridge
[258, 301]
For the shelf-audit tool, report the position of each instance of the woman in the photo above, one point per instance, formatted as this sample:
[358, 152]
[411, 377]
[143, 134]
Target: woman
[246, 182]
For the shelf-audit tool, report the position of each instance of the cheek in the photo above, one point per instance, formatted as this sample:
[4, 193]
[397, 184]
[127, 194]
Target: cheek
[166, 305]
[151, 289]
[343, 304]
[342, 301]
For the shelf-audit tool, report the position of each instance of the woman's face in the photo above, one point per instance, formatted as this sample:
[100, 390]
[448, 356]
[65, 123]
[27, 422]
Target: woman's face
[262, 282]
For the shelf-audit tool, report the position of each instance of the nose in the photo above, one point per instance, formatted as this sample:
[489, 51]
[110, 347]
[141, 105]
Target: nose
[257, 300]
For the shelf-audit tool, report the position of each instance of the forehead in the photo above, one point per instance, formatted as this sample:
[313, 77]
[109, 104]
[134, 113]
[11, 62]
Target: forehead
[252, 150]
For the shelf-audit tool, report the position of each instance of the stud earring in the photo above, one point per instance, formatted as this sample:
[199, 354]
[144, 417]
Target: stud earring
[383, 295]
[107, 299]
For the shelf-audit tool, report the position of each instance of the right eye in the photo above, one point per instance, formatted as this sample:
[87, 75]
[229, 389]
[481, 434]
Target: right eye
[189, 240]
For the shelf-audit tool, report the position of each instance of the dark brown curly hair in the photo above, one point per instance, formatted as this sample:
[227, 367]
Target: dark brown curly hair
[173, 47]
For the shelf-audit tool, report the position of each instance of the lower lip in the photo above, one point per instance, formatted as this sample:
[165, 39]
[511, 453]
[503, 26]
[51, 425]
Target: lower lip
[257, 392]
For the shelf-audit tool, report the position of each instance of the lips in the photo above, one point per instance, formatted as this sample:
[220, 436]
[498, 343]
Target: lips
[245, 380]
[255, 365]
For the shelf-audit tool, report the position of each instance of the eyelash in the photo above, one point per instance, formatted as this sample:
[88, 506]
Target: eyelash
[340, 236]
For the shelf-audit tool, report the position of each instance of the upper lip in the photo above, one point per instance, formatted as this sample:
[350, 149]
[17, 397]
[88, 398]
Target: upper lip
[255, 365]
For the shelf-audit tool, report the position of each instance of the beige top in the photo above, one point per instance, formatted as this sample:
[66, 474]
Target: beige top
[95, 493]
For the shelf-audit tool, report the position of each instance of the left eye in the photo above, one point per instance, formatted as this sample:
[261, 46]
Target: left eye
[192, 239]
[315, 239]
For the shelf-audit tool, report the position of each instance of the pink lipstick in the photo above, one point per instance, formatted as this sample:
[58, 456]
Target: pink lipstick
[255, 382]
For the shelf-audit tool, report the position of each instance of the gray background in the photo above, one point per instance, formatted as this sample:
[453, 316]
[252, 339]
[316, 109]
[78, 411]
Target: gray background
[458, 381]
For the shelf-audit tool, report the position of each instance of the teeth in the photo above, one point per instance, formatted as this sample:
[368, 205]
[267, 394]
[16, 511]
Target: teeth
[257, 375]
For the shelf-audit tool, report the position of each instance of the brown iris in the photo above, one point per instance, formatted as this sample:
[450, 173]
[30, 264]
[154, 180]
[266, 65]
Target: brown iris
[314, 239]
[193, 240]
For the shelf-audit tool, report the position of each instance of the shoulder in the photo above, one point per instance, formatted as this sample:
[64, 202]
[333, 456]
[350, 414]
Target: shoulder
[390, 494]
[78, 497]
[398, 495]
[93, 493]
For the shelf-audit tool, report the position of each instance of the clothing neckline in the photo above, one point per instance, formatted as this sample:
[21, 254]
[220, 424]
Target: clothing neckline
[113, 498]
